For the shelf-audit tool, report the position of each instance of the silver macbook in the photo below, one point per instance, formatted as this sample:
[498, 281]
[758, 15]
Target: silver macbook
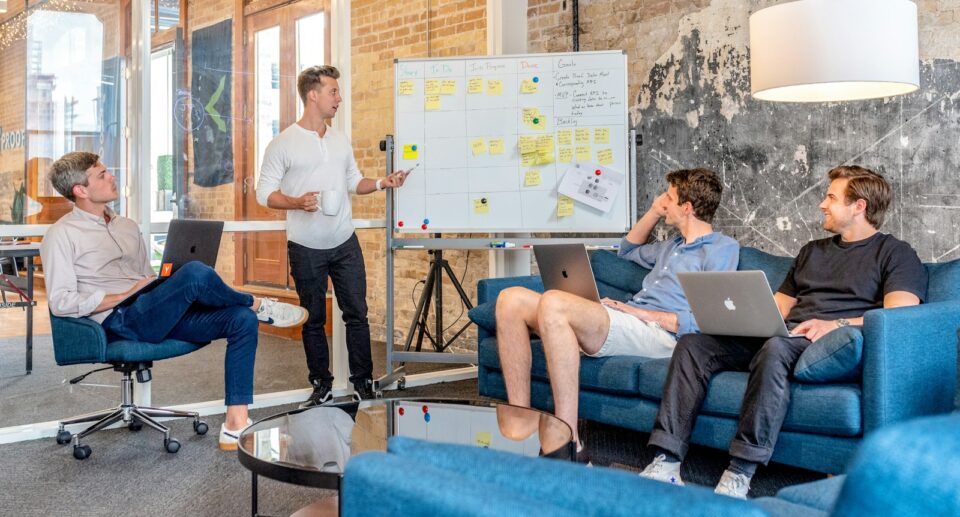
[566, 267]
[733, 303]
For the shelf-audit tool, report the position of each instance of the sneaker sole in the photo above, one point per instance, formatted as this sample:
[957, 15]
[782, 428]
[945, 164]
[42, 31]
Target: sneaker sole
[291, 324]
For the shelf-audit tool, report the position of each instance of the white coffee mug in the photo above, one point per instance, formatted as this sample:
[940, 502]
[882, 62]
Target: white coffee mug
[330, 201]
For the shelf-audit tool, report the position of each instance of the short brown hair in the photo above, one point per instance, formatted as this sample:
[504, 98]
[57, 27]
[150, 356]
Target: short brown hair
[867, 185]
[311, 77]
[701, 187]
[71, 170]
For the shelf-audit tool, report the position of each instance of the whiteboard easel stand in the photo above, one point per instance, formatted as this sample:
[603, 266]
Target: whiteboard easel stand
[397, 374]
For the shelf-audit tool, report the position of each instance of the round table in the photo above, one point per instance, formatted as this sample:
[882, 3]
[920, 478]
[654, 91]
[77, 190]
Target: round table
[311, 446]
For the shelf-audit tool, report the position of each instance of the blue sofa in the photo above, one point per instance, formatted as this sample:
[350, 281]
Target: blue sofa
[909, 366]
[909, 469]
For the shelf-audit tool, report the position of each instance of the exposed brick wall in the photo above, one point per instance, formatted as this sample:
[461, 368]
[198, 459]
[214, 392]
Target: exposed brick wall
[382, 32]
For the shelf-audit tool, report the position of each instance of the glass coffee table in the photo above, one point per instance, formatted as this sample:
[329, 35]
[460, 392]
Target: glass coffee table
[311, 447]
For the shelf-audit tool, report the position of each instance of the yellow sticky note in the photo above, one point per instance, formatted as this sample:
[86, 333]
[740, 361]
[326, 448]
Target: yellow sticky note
[533, 119]
[406, 87]
[529, 159]
[566, 154]
[478, 146]
[410, 152]
[583, 135]
[483, 439]
[528, 86]
[528, 144]
[583, 153]
[545, 142]
[544, 156]
[601, 135]
[448, 87]
[475, 85]
[531, 178]
[605, 156]
[431, 103]
[494, 87]
[496, 146]
[564, 206]
[481, 206]
[565, 137]
[432, 87]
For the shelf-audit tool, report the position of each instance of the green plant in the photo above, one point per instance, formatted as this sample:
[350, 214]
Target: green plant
[19, 201]
[165, 172]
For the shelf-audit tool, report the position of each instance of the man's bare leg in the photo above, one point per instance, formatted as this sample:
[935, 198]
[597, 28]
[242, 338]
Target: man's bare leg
[516, 318]
[569, 324]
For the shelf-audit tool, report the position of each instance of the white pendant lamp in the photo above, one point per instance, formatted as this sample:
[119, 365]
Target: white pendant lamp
[834, 50]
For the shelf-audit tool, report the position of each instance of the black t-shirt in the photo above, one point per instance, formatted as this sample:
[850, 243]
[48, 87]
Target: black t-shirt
[832, 279]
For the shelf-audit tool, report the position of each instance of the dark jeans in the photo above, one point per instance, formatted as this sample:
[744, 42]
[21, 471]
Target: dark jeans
[195, 305]
[344, 265]
[765, 402]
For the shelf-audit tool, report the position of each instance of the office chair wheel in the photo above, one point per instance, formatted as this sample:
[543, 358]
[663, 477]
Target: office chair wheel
[200, 427]
[64, 437]
[135, 425]
[81, 452]
[172, 445]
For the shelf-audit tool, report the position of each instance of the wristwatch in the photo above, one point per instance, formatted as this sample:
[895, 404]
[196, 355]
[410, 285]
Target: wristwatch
[843, 322]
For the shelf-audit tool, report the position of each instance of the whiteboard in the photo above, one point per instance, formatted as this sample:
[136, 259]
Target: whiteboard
[494, 136]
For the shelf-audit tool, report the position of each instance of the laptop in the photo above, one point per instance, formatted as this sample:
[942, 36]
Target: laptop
[567, 267]
[733, 303]
[187, 240]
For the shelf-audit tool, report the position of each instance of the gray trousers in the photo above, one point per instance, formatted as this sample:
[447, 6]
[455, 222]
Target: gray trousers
[765, 402]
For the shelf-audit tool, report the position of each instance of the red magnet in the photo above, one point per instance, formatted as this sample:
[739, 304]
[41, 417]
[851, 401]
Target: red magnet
[597, 172]
[400, 224]
[400, 411]
[425, 408]
[423, 227]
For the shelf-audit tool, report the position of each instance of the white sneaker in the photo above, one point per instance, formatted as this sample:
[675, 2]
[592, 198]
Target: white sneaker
[733, 485]
[280, 314]
[229, 438]
[662, 470]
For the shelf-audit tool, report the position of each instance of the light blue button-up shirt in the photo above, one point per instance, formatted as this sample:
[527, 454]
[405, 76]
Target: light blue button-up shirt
[661, 288]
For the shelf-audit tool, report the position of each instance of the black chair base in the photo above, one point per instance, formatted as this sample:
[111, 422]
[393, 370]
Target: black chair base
[134, 416]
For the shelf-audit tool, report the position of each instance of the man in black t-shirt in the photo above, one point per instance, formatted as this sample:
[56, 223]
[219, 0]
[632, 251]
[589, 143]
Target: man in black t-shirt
[831, 283]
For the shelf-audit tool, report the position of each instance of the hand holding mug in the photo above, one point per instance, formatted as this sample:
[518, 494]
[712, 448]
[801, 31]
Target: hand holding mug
[308, 202]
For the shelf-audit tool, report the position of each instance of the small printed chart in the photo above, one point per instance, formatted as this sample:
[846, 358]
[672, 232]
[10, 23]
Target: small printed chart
[494, 137]
[593, 185]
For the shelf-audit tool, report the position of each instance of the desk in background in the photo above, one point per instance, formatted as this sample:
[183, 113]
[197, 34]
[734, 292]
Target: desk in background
[21, 287]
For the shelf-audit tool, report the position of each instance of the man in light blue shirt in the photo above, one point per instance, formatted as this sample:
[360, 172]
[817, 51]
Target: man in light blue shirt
[647, 325]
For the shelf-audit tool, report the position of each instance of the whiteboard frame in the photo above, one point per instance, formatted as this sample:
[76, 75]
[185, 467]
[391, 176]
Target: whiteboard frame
[629, 201]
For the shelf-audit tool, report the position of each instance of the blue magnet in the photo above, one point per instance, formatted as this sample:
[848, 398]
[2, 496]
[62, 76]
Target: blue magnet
[426, 221]
[413, 147]
[536, 79]
[426, 417]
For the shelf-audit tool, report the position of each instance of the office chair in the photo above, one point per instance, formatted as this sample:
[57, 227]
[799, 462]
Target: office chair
[83, 341]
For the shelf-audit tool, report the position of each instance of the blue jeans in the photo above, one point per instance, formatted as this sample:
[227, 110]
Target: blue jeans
[344, 265]
[195, 305]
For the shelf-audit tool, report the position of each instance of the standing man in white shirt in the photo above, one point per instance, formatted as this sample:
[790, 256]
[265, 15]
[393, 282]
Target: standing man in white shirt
[308, 170]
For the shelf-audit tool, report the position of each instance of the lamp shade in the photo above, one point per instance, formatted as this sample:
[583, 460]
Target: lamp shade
[834, 50]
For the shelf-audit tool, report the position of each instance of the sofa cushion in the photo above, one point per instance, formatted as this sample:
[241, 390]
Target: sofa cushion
[835, 357]
[820, 495]
[773, 266]
[943, 281]
[827, 409]
[616, 278]
[485, 316]
[615, 374]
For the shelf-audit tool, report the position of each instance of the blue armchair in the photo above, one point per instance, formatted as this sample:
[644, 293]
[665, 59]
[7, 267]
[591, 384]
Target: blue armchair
[908, 469]
[909, 369]
[83, 341]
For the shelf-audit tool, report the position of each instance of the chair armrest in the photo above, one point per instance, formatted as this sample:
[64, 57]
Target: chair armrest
[488, 289]
[909, 362]
[78, 341]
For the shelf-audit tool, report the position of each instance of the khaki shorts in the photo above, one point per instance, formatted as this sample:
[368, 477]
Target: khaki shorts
[629, 335]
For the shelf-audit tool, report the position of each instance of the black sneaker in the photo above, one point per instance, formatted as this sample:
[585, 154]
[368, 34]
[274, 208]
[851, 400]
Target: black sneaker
[363, 390]
[322, 394]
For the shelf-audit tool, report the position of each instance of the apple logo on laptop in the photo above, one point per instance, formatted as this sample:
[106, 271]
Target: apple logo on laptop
[728, 303]
[564, 273]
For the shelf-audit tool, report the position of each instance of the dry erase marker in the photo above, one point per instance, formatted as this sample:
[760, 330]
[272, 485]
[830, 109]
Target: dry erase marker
[411, 169]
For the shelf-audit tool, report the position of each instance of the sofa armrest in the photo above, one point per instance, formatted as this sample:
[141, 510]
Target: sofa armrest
[909, 362]
[78, 341]
[488, 289]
